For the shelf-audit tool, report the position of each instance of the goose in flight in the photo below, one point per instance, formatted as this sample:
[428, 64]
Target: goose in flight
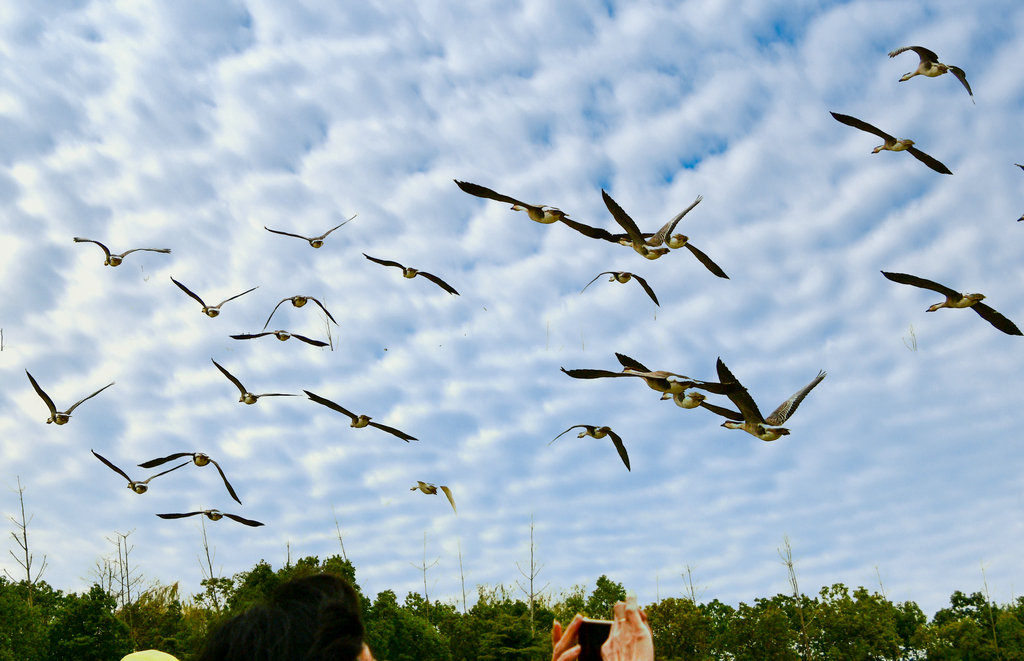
[281, 335]
[892, 144]
[60, 417]
[115, 260]
[212, 515]
[410, 272]
[599, 432]
[247, 397]
[209, 310]
[955, 299]
[315, 241]
[540, 213]
[298, 301]
[931, 67]
[430, 489]
[138, 486]
[624, 277]
[657, 380]
[361, 420]
[749, 418]
[199, 459]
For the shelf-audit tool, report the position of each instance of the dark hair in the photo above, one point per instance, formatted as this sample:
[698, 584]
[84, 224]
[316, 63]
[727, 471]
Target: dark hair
[313, 618]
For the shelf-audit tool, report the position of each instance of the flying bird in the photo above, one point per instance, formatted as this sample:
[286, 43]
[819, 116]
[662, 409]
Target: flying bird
[931, 67]
[315, 241]
[635, 238]
[299, 301]
[209, 310]
[749, 418]
[623, 277]
[599, 432]
[432, 490]
[892, 144]
[410, 272]
[247, 397]
[138, 486]
[115, 260]
[540, 213]
[199, 459]
[659, 380]
[281, 335]
[212, 515]
[60, 417]
[360, 420]
[955, 299]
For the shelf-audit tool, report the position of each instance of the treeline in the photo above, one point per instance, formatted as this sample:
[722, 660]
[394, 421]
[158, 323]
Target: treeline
[40, 623]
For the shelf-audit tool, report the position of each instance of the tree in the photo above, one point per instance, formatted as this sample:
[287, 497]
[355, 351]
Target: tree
[86, 629]
[603, 598]
[21, 539]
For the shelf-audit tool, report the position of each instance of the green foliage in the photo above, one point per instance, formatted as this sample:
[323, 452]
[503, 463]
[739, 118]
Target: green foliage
[604, 596]
[86, 629]
[22, 626]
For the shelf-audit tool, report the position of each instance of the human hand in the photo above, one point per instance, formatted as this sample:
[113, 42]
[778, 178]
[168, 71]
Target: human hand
[630, 638]
[564, 643]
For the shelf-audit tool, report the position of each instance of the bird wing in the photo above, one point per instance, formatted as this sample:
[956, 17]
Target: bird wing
[236, 296]
[922, 52]
[962, 77]
[324, 235]
[146, 481]
[439, 282]
[724, 412]
[914, 281]
[248, 522]
[481, 191]
[75, 405]
[863, 126]
[226, 483]
[385, 262]
[739, 395]
[593, 374]
[106, 250]
[451, 499]
[788, 408]
[273, 311]
[565, 432]
[626, 361]
[46, 398]
[303, 338]
[669, 227]
[232, 379]
[323, 308]
[152, 463]
[250, 336]
[391, 430]
[128, 252]
[329, 404]
[706, 261]
[111, 466]
[587, 230]
[595, 279]
[930, 161]
[623, 219]
[620, 448]
[996, 319]
[189, 292]
[179, 515]
[276, 394]
[297, 236]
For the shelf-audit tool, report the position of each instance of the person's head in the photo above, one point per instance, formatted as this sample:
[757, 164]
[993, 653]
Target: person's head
[313, 618]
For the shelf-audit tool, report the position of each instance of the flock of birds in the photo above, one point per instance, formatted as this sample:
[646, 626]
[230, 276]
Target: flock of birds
[686, 392]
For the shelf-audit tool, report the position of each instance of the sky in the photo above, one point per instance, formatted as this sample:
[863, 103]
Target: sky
[194, 125]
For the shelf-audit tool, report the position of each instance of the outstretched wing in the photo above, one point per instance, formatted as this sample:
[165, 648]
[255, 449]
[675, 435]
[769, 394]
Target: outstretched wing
[322, 308]
[329, 404]
[297, 236]
[788, 408]
[237, 295]
[111, 466]
[481, 191]
[385, 262]
[189, 292]
[962, 77]
[391, 430]
[587, 230]
[914, 281]
[46, 398]
[565, 432]
[593, 374]
[669, 227]
[706, 261]
[996, 319]
[248, 522]
[303, 338]
[631, 363]
[724, 412]
[153, 463]
[863, 126]
[232, 379]
[595, 279]
[922, 52]
[324, 235]
[622, 218]
[273, 311]
[128, 252]
[738, 394]
[250, 336]
[647, 288]
[226, 483]
[930, 161]
[106, 251]
[439, 282]
[620, 448]
[451, 499]
[75, 405]
[179, 515]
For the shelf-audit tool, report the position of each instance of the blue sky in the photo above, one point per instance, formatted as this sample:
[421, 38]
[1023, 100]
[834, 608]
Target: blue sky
[192, 127]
